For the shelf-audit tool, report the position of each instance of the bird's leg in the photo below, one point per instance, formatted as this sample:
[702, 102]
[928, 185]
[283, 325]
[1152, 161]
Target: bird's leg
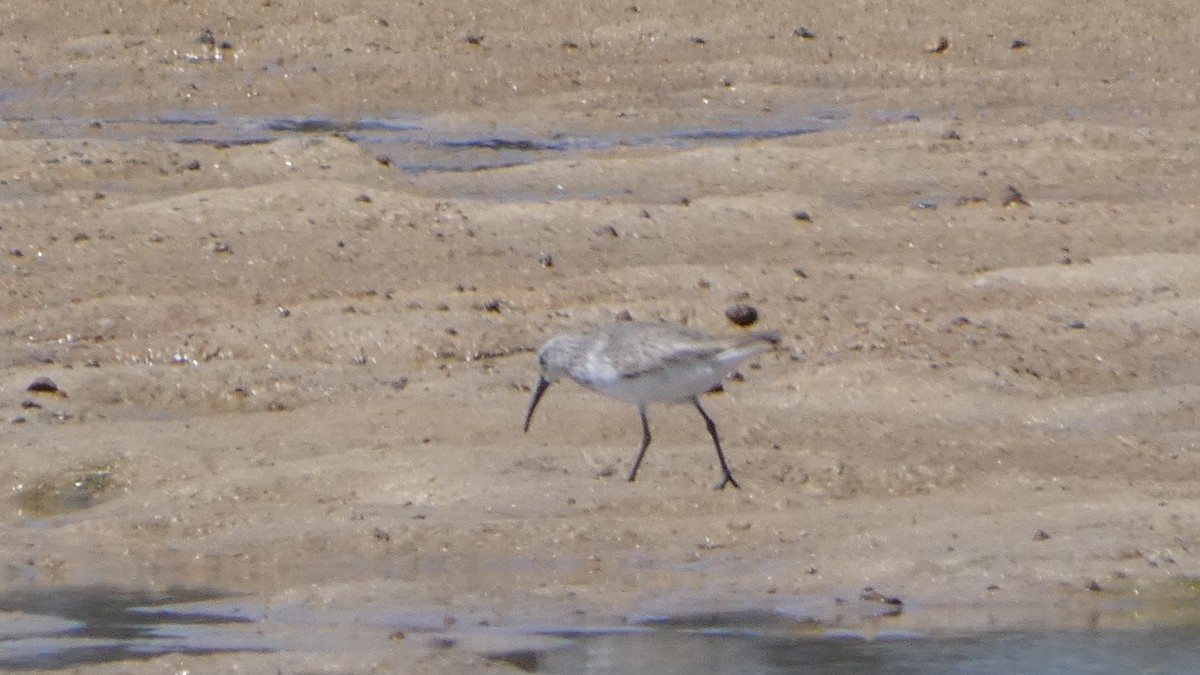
[645, 443]
[712, 431]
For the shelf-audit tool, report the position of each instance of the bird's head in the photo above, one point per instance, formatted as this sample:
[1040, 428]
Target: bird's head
[554, 359]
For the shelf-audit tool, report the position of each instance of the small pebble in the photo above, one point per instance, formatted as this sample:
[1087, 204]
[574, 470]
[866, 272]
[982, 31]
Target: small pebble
[1014, 198]
[45, 385]
[742, 314]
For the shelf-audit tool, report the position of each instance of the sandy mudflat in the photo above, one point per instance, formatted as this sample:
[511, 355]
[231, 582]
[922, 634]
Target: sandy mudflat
[296, 369]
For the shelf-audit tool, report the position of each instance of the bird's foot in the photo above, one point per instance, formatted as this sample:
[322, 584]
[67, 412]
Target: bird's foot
[728, 481]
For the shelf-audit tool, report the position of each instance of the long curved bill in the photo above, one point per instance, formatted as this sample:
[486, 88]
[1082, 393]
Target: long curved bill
[542, 385]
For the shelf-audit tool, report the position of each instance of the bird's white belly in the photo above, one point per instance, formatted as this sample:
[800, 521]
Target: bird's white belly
[673, 383]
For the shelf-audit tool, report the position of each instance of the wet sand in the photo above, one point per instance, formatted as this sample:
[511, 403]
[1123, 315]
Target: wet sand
[296, 369]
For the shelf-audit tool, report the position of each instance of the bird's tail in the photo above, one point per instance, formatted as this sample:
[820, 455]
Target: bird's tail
[751, 344]
[767, 337]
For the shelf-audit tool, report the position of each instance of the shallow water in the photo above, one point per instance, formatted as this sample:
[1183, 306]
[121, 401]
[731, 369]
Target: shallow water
[64, 626]
[416, 145]
[60, 627]
[1160, 650]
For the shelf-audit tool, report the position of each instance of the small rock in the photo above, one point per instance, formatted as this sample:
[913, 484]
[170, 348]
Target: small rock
[1014, 198]
[742, 314]
[940, 47]
[871, 595]
[44, 385]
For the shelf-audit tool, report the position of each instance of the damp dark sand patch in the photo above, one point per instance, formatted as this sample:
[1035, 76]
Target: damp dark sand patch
[71, 491]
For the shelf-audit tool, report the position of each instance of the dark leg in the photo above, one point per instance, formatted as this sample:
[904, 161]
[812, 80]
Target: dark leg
[645, 443]
[712, 431]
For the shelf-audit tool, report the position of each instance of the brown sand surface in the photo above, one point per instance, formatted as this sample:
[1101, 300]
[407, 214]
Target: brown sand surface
[296, 371]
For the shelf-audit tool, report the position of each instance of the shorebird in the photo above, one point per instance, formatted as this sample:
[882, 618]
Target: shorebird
[643, 363]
